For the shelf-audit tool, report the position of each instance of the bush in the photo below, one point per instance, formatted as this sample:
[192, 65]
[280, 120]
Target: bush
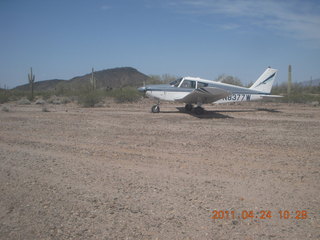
[299, 93]
[45, 95]
[65, 100]
[24, 101]
[89, 99]
[40, 101]
[5, 109]
[45, 109]
[4, 96]
[302, 98]
[54, 100]
[125, 95]
[16, 95]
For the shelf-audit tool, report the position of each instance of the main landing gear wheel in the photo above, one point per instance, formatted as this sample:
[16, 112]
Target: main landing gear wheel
[155, 109]
[199, 110]
[188, 107]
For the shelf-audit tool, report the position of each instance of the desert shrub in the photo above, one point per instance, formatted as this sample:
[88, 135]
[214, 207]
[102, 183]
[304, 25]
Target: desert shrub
[90, 99]
[44, 94]
[5, 109]
[40, 101]
[230, 80]
[4, 96]
[302, 98]
[65, 100]
[53, 100]
[15, 95]
[125, 95]
[299, 93]
[45, 109]
[24, 101]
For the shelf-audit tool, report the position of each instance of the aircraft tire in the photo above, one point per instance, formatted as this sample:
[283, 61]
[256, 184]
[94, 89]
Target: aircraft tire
[199, 110]
[155, 109]
[188, 107]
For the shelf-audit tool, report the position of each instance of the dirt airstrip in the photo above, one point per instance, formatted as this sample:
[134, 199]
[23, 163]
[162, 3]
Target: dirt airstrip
[121, 172]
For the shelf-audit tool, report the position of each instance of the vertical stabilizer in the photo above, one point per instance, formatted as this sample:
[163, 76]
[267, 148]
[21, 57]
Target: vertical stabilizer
[265, 81]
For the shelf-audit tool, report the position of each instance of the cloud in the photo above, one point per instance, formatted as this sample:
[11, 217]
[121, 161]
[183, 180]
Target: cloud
[105, 7]
[297, 19]
[230, 26]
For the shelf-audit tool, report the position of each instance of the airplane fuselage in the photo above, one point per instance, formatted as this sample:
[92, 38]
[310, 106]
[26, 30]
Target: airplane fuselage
[170, 92]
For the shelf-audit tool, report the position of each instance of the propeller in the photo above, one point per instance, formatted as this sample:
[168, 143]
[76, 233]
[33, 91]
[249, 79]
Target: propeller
[143, 89]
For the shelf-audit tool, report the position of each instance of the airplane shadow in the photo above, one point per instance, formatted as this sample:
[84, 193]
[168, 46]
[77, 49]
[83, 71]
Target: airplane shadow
[206, 114]
[268, 110]
[218, 113]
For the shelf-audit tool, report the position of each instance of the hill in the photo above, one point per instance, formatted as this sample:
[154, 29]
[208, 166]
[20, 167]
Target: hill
[109, 78]
[46, 85]
[113, 78]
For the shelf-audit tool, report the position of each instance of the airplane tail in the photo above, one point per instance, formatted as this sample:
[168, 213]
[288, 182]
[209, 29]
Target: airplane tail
[265, 81]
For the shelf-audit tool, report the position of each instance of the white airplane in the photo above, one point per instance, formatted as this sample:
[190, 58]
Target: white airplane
[190, 90]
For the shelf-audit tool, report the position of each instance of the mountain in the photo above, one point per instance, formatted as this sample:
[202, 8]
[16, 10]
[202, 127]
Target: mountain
[113, 78]
[105, 79]
[46, 85]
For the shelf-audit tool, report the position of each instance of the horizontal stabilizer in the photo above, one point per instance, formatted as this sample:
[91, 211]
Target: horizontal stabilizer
[271, 96]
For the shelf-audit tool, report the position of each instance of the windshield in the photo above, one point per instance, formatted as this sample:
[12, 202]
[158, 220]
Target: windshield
[188, 84]
[176, 83]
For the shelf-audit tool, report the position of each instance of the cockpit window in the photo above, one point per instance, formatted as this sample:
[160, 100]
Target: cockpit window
[176, 83]
[188, 84]
[201, 84]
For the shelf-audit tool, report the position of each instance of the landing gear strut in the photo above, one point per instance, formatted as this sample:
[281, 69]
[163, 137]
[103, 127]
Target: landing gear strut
[197, 110]
[188, 107]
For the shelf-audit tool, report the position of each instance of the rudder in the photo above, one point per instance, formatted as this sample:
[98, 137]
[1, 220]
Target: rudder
[265, 81]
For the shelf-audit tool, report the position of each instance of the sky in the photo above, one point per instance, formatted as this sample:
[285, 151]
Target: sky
[62, 39]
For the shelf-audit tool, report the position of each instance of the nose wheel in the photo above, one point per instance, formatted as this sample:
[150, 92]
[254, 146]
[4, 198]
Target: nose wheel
[155, 109]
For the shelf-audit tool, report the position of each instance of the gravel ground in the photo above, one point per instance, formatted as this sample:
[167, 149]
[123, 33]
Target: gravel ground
[121, 172]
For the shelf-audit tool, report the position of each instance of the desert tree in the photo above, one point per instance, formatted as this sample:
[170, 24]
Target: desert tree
[229, 79]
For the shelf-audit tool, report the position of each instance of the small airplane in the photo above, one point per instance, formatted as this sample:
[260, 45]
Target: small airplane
[190, 90]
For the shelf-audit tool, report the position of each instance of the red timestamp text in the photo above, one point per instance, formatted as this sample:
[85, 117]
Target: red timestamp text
[262, 214]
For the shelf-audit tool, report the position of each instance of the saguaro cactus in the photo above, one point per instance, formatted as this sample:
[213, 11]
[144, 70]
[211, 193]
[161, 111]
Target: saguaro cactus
[31, 78]
[289, 81]
[93, 80]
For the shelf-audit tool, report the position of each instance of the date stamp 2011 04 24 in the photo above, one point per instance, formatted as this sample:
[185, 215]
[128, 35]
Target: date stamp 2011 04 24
[263, 214]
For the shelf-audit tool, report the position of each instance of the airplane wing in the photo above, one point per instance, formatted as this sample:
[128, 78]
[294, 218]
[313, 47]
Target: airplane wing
[205, 95]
